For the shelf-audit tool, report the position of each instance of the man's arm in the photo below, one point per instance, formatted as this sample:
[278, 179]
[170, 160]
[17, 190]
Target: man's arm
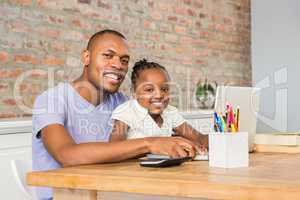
[62, 147]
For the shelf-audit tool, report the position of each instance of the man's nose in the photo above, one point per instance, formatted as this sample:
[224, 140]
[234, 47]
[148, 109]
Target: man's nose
[116, 63]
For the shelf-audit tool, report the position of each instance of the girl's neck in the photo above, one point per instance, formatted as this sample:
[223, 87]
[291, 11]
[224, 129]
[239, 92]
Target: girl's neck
[158, 119]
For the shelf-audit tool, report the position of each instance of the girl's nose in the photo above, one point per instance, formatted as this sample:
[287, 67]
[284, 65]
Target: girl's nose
[158, 94]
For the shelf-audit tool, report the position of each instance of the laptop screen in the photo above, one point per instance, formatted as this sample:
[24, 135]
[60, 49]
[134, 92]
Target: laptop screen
[247, 99]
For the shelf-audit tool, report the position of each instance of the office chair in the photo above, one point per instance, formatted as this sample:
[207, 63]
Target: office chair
[19, 169]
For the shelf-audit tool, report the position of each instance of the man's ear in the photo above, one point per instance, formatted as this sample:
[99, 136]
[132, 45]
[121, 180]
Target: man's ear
[85, 57]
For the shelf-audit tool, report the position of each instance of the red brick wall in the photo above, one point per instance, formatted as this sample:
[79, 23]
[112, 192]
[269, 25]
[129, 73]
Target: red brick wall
[192, 38]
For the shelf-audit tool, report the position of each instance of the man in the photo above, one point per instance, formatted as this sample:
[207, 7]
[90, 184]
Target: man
[70, 121]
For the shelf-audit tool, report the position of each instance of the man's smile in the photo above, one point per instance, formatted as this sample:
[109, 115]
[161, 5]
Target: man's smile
[113, 76]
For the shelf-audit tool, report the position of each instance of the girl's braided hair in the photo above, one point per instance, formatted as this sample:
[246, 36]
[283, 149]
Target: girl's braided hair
[141, 65]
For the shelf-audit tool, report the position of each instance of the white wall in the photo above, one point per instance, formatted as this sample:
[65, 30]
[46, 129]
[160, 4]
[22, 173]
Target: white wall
[276, 63]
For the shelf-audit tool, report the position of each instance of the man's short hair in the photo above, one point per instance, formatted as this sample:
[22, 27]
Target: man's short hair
[101, 33]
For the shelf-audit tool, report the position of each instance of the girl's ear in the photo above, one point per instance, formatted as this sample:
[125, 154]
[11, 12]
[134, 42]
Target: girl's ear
[85, 57]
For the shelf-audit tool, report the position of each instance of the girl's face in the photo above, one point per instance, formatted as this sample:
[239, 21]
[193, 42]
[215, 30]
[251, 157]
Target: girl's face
[152, 90]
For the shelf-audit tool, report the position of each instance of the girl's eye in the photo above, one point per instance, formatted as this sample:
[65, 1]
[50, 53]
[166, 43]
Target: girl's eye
[149, 89]
[108, 56]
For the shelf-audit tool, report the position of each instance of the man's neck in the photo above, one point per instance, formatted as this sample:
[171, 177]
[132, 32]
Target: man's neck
[88, 91]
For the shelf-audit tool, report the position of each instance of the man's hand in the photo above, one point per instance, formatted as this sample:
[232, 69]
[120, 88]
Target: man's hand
[174, 147]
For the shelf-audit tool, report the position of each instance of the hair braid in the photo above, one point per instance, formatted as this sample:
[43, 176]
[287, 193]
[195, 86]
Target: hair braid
[141, 65]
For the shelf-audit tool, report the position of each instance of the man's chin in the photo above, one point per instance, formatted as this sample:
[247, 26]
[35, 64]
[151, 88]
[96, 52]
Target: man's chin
[110, 89]
[106, 89]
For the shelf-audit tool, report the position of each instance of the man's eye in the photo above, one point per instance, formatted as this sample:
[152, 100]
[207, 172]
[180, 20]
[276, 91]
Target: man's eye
[108, 56]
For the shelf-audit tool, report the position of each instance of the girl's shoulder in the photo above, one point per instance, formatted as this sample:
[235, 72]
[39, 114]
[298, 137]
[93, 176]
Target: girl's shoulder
[129, 112]
[171, 109]
[124, 107]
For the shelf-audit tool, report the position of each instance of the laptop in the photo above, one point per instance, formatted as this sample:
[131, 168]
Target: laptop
[247, 98]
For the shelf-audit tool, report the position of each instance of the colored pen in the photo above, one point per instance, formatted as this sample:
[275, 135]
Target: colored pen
[223, 123]
[237, 118]
[232, 128]
[217, 126]
[232, 116]
[219, 123]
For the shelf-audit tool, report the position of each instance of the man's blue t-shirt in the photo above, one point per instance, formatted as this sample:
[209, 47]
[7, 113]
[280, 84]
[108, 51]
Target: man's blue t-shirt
[84, 121]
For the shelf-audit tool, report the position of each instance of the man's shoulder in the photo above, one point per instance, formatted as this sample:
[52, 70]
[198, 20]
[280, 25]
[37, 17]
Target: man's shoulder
[54, 94]
[59, 88]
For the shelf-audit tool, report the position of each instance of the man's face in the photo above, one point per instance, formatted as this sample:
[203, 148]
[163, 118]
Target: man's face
[107, 62]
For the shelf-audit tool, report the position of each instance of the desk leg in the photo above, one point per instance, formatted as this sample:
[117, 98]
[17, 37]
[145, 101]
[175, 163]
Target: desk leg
[70, 194]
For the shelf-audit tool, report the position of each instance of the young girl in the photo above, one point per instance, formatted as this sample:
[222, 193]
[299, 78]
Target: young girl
[149, 114]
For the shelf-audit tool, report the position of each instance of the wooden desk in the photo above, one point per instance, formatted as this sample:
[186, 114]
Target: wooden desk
[270, 176]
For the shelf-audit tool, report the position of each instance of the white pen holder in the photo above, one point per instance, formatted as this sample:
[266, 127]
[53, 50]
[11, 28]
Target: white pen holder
[228, 150]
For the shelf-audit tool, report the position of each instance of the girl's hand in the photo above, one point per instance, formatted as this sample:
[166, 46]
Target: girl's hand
[175, 147]
[203, 141]
[202, 144]
[202, 150]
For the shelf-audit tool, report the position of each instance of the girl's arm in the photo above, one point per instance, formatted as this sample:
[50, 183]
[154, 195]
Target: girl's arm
[188, 132]
[119, 131]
